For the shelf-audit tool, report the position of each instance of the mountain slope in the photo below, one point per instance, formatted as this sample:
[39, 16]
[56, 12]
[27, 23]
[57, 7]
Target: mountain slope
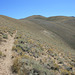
[65, 31]
[40, 47]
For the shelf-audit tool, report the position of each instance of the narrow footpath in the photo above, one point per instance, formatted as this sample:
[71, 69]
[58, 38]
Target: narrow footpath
[6, 62]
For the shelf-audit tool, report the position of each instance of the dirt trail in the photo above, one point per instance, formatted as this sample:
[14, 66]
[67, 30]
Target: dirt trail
[6, 62]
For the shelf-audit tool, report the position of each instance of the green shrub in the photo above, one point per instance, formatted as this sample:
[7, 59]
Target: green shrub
[0, 53]
[5, 36]
[14, 48]
[15, 67]
[16, 42]
[0, 39]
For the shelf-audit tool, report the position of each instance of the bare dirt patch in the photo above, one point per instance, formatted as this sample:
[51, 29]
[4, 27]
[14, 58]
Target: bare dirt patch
[6, 62]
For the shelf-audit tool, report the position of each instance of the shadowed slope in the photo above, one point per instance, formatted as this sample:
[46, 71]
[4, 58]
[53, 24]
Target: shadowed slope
[65, 31]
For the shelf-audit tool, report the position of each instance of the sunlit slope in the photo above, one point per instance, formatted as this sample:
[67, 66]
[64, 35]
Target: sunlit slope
[40, 47]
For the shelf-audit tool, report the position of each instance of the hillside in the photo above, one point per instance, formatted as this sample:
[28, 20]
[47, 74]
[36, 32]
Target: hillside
[38, 45]
[64, 27]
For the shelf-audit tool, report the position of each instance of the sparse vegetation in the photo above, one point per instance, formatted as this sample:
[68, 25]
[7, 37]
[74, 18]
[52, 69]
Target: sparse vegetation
[36, 53]
[65, 72]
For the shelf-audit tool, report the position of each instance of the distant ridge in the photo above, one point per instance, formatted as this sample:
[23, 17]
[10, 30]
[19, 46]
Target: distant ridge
[35, 17]
[53, 18]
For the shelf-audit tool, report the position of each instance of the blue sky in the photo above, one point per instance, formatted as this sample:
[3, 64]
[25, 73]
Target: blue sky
[24, 8]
